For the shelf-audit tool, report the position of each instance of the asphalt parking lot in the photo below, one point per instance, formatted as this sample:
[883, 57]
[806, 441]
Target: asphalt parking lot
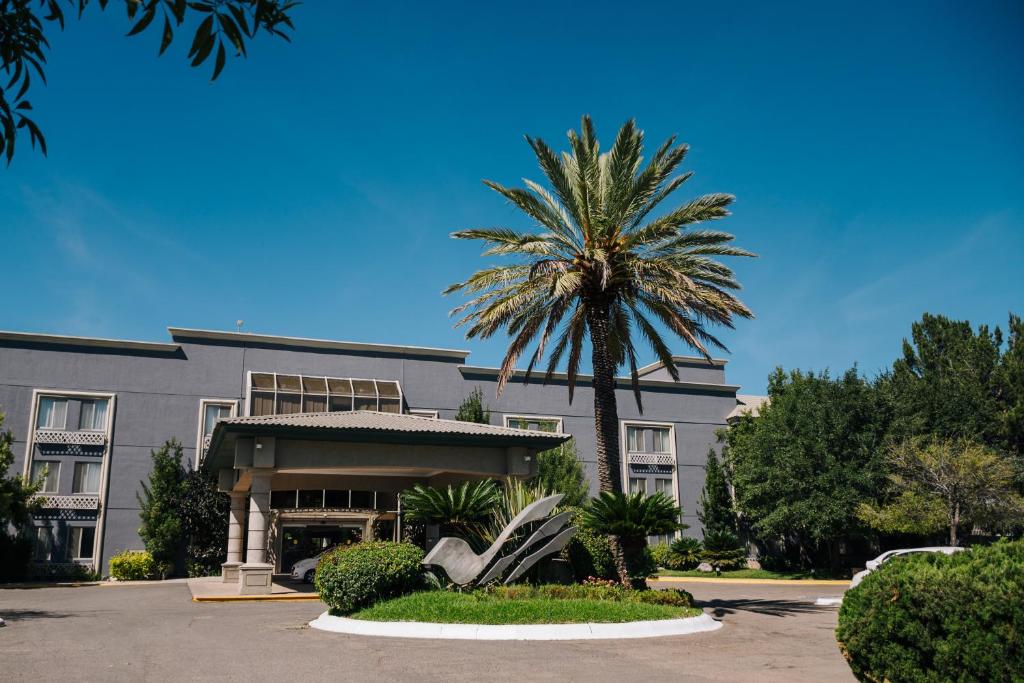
[156, 633]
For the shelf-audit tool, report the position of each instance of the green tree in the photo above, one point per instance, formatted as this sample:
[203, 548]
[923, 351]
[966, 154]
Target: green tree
[559, 471]
[801, 469]
[715, 506]
[16, 508]
[946, 484]
[597, 266]
[1009, 388]
[943, 386]
[222, 26]
[629, 518]
[472, 408]
[160, 507]
[204, 518]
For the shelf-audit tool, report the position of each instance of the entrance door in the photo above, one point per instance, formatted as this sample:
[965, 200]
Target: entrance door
[309, 540]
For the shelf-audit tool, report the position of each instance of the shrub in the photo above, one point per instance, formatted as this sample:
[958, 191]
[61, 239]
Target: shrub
[359, 575]
[15, 555]
[132, 565]
[722, 550]
[660, 555]
[934, 617]
[588, 552]
[685, 553]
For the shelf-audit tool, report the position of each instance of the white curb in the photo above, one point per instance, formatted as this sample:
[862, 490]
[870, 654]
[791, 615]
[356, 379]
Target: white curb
[419, 629]
[828, 602]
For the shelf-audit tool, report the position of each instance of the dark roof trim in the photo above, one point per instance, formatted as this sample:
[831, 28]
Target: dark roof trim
[95, 342]
[182, 333]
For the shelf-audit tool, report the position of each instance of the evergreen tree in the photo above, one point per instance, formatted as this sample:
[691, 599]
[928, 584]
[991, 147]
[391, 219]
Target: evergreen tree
[204, 518]
[559, 471]
[473, 409]
[715, 506]
[16, 506]
[160, 505]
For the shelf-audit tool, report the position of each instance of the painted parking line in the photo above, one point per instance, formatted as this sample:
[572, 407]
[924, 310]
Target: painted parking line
[302, 597]
[756, 582]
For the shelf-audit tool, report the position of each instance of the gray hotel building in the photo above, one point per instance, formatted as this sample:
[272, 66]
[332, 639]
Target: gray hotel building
[312, 439]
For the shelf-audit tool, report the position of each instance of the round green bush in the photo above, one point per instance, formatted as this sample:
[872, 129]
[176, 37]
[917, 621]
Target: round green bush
[359, 575]
[932, 617]
[132, 565]
[589, 553]
[660, 555]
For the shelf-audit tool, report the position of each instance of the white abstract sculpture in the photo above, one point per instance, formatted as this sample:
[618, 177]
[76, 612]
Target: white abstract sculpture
[464, 566]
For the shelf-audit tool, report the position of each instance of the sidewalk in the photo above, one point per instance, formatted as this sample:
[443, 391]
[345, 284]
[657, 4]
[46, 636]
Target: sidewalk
[213, 589]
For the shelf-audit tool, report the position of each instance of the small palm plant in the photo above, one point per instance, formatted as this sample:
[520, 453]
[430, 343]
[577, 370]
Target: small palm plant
[722, 550]
[514, 495]
[685, 553]
[629, 518]
[464, 510]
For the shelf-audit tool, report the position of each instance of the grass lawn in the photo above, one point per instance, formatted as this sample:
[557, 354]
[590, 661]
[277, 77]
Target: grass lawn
[750, 574]
[445, 607]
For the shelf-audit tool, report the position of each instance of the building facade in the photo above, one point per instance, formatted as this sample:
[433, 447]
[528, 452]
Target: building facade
[86, 413]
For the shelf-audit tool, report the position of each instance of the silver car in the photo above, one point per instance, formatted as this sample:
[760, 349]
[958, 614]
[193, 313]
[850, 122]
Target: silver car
[874, 564]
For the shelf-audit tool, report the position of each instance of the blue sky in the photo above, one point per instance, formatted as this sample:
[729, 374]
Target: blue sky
[875, 150]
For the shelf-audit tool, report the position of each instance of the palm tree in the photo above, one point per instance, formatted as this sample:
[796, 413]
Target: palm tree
[598, 266]
[630, 518]
[464, 510]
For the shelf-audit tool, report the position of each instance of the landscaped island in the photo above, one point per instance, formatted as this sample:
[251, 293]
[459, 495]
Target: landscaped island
[533, 605]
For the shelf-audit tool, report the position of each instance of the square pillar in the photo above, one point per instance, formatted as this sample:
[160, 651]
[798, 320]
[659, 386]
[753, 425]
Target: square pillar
[236, 528]
[256, 574]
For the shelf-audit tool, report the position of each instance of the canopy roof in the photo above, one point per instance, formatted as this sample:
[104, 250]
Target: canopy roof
[370, 426]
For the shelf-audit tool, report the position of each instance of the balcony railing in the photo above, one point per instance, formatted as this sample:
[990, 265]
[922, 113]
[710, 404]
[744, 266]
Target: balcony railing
[77, 501]
[651, 459]
[70, 438]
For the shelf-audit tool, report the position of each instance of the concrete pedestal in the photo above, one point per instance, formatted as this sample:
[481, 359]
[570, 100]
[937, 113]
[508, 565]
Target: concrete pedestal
[229, 571]
[255, 578]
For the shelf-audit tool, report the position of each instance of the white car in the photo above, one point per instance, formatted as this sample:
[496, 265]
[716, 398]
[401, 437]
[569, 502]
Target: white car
[304, 570]
[874, 564]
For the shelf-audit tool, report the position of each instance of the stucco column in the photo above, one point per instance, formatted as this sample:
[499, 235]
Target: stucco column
[236, 531]
[259, 518]
[255, 576]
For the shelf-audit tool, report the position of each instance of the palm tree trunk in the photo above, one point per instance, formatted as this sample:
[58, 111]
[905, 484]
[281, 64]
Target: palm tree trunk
[606, 414]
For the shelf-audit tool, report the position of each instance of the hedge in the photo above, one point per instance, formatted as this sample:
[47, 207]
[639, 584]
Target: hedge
[132, 565]
[359, 575]
[932, 617]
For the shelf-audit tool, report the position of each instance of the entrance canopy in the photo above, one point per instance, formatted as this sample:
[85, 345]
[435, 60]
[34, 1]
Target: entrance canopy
[370, 441]
[344, 468]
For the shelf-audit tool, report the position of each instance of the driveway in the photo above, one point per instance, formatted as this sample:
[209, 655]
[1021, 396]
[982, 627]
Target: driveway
[130, 633]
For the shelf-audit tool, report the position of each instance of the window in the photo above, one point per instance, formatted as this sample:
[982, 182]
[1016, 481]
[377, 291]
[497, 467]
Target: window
[273, 394]
[635, 439]
[212, 413]
[638, 485]
[314, 394]
[44, 544]
[422, 412]
[53, 413]
[93, 416]
[664, 485]
[534, 423]
[640, 439]
[49, 472]
[80, 542]
[87, 477]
